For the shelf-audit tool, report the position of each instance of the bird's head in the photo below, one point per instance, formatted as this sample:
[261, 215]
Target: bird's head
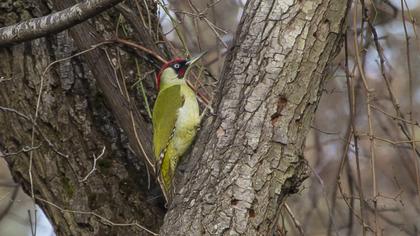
[174, 70]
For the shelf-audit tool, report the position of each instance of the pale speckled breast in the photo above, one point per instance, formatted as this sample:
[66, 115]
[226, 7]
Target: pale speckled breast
[188, 120]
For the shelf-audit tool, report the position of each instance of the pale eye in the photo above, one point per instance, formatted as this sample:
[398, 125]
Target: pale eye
[176, 66]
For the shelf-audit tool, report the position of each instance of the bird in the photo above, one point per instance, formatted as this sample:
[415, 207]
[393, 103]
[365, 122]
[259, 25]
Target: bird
[176, 118]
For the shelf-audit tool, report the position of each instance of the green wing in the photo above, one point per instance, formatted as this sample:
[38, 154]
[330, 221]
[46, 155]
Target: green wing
[165, 111]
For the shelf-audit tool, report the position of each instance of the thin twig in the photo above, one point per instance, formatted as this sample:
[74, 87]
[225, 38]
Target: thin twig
[362, 74]
[134, 45]
[95, 159]
[101, 218]
[294, 219]
[411, 94]
[2, 79]
[416, 123]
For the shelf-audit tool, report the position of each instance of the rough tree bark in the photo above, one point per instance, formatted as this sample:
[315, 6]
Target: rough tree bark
[248, 158]
[80, 113]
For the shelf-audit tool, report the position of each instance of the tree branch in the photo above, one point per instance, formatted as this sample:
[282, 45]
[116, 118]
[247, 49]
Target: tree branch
[55, 22]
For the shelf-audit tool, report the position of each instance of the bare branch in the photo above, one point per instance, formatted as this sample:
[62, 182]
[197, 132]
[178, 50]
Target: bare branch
[55, 22]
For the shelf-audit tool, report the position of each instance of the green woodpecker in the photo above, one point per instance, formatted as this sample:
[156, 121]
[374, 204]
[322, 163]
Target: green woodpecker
[176, 117]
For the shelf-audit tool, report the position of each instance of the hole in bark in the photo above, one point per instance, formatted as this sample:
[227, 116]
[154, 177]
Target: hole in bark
[274, 118]
[281, 103]
[251, 213]
[85, 225]
[234, 202]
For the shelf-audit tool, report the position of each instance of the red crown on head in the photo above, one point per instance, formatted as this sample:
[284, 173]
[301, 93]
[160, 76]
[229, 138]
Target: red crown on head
[168, 64]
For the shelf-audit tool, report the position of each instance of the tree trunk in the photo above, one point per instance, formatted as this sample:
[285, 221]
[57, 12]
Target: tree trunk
[246, 161]
[248, 158]
[80, 112]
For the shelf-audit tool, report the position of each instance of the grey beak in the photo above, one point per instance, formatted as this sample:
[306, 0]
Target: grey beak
[195, 59]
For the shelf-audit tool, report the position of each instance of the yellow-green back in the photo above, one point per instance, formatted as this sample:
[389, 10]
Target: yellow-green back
[165, 110]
